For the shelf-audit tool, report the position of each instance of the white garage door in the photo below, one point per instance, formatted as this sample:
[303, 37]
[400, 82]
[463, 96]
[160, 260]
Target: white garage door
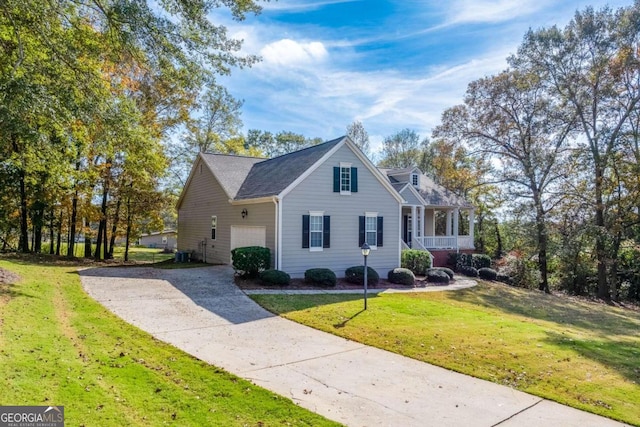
[248, 236]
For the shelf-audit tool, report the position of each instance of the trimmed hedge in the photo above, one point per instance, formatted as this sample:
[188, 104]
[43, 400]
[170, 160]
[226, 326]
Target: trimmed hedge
[320, 277]
[437, 276]
[446, 270]
[248, 261]
[416, 261]
[481, 261]
[355, 275]
[487, 273]
[401, 276]
[275, 278]
[477, 261]
[469, 271]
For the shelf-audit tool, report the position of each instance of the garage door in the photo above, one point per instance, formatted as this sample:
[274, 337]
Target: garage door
[248, 236]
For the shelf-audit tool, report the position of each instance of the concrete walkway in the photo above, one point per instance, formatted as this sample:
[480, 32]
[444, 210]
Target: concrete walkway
[202, 312]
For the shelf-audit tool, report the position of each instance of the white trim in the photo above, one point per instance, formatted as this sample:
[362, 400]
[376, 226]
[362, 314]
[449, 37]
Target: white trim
[276, 234]
[321, 247]
[252, 201]
[371, 215]
[345, 165]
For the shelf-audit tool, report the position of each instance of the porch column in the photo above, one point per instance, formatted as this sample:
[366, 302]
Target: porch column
[413, 223]
[449, 214]
[422, 221]
[456, 218]
[472, 219]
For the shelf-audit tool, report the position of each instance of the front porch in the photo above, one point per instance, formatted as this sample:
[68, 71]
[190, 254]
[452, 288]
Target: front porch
[438, 228]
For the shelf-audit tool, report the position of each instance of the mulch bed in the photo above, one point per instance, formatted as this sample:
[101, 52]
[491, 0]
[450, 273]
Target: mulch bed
[341, 284]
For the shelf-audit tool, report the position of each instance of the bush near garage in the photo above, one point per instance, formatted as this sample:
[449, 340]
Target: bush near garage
[248, 261]
[275, 278]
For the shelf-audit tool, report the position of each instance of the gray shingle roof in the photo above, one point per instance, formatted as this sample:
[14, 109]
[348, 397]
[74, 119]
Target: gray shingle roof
[270, 177]
[251, 178]
[433, 193]
[229, 170]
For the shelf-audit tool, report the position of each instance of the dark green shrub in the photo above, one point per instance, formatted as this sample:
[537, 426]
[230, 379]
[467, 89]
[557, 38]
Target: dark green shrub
[504, 278]
[355, 275]
[437, 276]
[487, 273]
[275, 278]
[416, 261]
[469, 271]
[479, 261]
[401, 276]
[320, 277]
[248, 261]
[446, 270]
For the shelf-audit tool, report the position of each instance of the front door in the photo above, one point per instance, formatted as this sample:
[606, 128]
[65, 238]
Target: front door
[406, 229]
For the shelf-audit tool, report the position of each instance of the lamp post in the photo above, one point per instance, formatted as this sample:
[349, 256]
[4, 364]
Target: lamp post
[365, 253]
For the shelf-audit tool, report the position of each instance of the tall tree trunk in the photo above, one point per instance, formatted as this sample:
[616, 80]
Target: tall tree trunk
[499, 250]
[51, 230]
[38, 222]
[114, 228]
[59, 241]
[601, 248]
[541, 228]
[87, 239]
[102, 226]
[72, 225]
[126, 246]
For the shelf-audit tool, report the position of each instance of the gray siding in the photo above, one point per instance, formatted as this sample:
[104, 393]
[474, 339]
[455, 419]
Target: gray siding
[315, 193]
[203, 198]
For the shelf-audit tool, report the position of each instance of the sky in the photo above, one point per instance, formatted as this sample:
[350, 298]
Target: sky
[391, 65]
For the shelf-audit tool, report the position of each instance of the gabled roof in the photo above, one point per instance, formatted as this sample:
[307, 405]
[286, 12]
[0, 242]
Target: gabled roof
[433, 193]
[271, 177]
[230, 170]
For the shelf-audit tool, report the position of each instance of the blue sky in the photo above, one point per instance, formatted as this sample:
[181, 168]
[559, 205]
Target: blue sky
[389, 64]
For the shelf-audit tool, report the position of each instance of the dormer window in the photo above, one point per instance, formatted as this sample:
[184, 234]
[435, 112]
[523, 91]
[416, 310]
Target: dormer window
[415, 179]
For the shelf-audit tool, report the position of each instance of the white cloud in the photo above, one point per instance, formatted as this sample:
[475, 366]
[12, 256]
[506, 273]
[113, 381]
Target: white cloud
[290, 52]
[466, 11]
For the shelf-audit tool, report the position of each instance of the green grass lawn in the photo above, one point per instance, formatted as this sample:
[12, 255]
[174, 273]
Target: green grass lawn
[60, 347]
[581, 354]
[136, 254]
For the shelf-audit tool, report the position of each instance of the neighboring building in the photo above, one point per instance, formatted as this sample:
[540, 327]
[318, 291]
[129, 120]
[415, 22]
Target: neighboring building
[313, 208]
[167, 239]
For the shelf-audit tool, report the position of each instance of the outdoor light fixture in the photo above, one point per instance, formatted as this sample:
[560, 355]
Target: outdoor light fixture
[244, 213]
[365, 253]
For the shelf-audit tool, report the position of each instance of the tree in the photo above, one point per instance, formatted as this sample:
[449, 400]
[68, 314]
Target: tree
[592, 67]
[283, 142]
[403, 149]
[360, 137]
[509, 118]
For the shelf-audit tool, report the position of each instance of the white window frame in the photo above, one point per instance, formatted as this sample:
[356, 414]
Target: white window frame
[373, 230]
[347, 168]
[316, 214]
[415, 179]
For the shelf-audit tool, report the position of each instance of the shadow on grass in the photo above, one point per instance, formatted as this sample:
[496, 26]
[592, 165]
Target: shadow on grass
[347, 320]
[10, 291]
[593, 317]
[621, 355]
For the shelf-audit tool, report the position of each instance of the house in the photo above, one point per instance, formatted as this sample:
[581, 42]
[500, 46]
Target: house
[437, 212]
[166, 239]
[312, 208]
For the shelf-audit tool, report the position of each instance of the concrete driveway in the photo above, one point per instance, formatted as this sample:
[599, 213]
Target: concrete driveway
[202, 312]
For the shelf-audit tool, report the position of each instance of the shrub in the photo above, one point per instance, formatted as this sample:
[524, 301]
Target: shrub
[469, 271]
[416, 261]
[480, 261]
[437, 276]
[275, 278]
[250, 260]
[504, 279]
[487, 273]
[401, 276]
[356, 275]
[446, 270]
[522, 271]
[320, 277]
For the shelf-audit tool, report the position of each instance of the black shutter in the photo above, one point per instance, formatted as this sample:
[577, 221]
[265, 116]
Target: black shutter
[305, 231]
[336, 179]
[326, 231]
[354, 180]
[361, 238]
[379, 239]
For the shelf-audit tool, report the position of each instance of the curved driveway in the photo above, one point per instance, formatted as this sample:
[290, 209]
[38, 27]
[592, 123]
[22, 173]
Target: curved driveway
[202, 312]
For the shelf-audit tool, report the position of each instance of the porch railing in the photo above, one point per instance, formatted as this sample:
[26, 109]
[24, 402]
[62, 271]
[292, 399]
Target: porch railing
[446, 242]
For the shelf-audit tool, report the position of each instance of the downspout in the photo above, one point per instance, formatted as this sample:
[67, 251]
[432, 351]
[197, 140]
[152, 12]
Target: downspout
[276, 234]
[279, 233]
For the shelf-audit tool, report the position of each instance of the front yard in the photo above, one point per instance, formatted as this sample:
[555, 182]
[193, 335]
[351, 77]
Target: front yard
[60, 347]
[578, 353]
